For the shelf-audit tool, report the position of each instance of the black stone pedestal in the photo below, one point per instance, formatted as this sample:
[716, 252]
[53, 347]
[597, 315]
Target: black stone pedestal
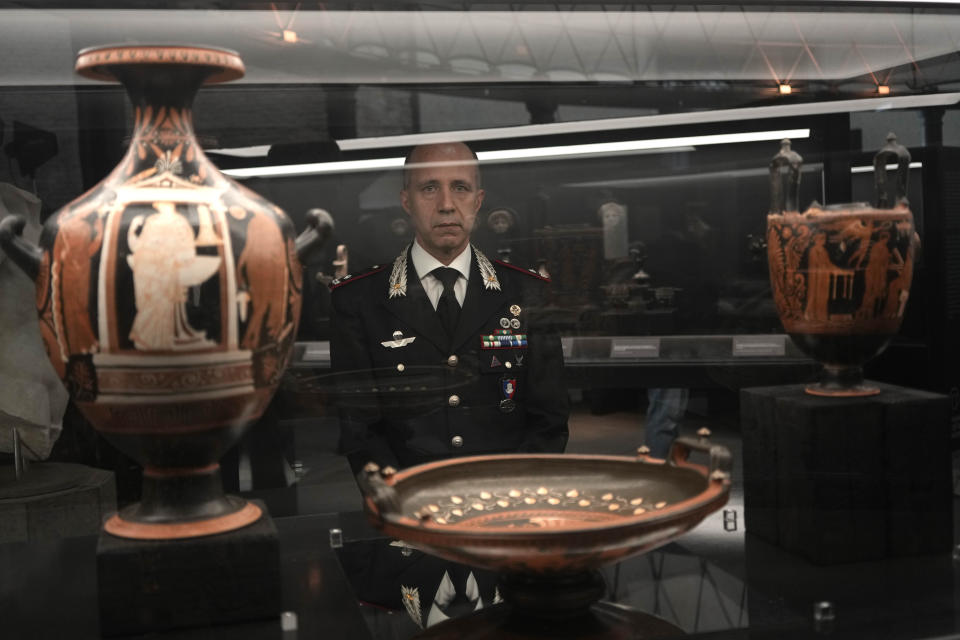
[847, 479]
[54, 500]
[147, 585]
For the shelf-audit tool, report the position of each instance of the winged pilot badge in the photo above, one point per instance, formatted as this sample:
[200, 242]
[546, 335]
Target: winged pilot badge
[398, 340]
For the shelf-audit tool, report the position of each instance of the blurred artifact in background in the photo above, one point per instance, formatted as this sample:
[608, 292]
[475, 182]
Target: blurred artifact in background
[841, 274]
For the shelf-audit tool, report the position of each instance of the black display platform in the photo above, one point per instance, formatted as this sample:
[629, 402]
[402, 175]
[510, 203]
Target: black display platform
[54, 500]
[146, 585]
[847, 479]
[716, 584]
[603, 621]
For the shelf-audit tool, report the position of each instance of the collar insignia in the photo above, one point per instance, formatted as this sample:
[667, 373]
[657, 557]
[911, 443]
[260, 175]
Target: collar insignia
[410, 596]
[398, 277]
[490, 281]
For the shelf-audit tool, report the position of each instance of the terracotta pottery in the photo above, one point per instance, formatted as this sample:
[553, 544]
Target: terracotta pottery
[841, 274]
[544, 516]
[168, 296]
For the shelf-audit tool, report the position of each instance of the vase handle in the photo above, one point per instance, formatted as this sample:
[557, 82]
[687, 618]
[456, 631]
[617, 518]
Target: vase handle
[319, 228]
[721, 461]
[379, 496]
[785, 197]
[24, 254]
[891, 152]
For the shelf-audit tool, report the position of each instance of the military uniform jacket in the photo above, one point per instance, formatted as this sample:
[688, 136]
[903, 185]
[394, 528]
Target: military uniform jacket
[410, 394]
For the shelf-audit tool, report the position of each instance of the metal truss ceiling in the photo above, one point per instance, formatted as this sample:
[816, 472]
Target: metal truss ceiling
[620, 43]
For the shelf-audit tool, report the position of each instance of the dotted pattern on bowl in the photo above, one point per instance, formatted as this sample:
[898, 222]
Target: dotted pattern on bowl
[458, 508]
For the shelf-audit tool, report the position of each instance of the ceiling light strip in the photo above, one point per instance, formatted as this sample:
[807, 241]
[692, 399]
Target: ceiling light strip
[627, 146]
[313, 168]
[890, 167]
[687, 143]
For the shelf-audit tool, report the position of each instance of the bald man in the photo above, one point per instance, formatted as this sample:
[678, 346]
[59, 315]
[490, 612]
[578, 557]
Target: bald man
[437, 353]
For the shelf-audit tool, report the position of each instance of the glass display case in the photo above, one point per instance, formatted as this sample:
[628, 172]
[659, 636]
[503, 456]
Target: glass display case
[623, 153]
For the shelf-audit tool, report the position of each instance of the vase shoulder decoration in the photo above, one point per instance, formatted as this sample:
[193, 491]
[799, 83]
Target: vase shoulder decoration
[841, 274]
[168, 296]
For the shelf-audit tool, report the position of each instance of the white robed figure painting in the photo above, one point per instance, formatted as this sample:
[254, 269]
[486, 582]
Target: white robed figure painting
[165, 265]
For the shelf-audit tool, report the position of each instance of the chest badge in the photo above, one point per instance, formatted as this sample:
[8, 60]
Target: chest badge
[503, 339]
[508, 390]
[398, 340]
[515, 310]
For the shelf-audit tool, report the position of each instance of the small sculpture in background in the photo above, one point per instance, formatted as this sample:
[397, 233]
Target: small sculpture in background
[400, 227]
[628, 283]
[319, 261]
[542, 268]
[613, 215]
[638, 251]
[341, 264]
[500, 221]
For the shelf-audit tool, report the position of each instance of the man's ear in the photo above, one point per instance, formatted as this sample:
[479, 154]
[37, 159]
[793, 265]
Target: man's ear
[480, 194]
[405, 201]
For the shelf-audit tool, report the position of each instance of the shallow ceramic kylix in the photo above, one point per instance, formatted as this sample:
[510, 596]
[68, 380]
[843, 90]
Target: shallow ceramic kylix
[547, 515]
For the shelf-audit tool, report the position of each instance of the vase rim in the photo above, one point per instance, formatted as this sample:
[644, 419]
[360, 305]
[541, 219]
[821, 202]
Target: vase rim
[96, 62]
[826, 213]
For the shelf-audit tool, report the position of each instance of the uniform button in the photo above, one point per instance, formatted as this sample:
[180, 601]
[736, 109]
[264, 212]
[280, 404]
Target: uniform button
[454, 401]
[456, 441]
[453, 360]
[400, 367]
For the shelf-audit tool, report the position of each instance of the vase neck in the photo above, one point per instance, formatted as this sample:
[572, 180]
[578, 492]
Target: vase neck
[163, 139]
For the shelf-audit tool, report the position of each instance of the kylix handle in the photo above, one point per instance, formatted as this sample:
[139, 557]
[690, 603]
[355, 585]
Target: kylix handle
[379, 496]
[721, 461]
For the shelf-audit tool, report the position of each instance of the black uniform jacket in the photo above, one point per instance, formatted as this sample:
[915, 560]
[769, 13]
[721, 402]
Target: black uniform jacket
[409, 394]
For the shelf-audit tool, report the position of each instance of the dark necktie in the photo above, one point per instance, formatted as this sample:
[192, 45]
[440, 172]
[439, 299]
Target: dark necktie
[447, 306]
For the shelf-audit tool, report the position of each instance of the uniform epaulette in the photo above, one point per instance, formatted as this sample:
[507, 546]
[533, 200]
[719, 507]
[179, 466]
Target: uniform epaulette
[353, 277]
[529, 272]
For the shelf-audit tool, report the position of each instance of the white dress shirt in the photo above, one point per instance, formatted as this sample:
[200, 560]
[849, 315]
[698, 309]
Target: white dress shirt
[424, 263]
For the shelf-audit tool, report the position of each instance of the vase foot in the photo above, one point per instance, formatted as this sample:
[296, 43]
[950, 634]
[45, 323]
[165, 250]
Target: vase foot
[247, 514]
[553, 596]
[842, 381]
[828, 391]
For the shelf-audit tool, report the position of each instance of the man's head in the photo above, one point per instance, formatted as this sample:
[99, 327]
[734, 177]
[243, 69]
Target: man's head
[442, 195]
